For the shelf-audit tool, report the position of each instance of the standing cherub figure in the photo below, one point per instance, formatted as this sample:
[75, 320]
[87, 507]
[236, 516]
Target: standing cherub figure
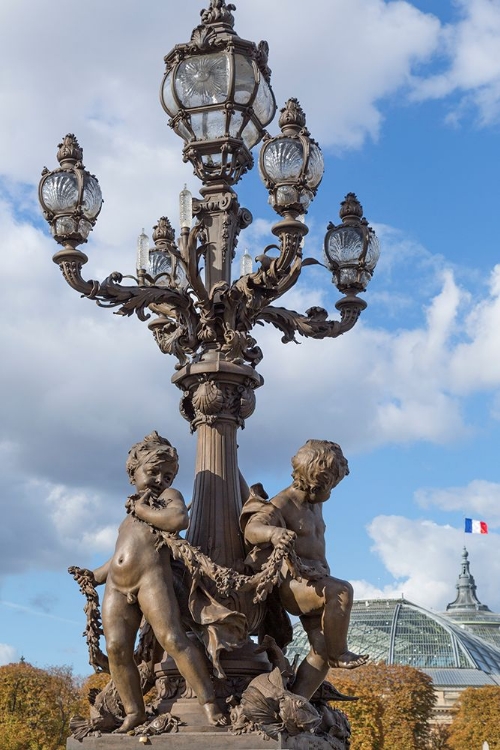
[294, 517]
[139, 582]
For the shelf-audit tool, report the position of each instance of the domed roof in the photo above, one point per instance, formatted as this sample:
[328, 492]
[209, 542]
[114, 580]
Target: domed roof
[467, 611]
[397, 631]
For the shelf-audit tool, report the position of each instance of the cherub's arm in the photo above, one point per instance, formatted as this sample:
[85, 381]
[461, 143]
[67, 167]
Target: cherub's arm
[173, 517]
[101, 573]
[96, 577]
[262, 528]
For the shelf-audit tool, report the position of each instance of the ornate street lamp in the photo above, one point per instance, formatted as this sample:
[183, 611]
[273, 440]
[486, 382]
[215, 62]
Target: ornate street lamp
[217, 92]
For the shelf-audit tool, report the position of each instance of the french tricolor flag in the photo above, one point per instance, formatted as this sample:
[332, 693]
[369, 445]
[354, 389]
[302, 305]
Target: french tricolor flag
[475, 527]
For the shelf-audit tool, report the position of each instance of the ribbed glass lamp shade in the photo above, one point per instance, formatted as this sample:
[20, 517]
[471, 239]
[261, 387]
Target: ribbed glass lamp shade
[196, 82]
[282, 160]
[92, 197]
[160, 268]
[214, 81]
[159, 263]
[352, 254]
[217, 93]
[291, 164]
[315, 166]
[60, 192]
[70, 196]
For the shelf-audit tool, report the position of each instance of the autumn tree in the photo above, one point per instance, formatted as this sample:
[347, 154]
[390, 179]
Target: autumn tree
[403, 702]
[365, 715]
[477, 719]
[35, 706]
[95, 681]
[439, 736]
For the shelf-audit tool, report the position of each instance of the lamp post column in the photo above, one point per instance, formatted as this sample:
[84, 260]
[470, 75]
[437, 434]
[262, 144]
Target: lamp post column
[218, 389]
[218, 397]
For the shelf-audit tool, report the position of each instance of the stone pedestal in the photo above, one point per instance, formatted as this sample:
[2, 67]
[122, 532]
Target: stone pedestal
[178, 699]
[209, 740]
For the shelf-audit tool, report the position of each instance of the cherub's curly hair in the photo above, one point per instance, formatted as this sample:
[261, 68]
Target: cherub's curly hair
[153, 449]
[314, 462]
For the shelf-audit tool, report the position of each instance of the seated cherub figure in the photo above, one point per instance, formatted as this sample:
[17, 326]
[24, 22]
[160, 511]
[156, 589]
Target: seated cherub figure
[139, 582]
[294, 517]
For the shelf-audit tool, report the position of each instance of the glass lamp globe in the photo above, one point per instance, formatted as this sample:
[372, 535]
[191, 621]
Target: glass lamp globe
[163, 265]
[352, 249]
[70, 197]
[291, 164]
[216, 90]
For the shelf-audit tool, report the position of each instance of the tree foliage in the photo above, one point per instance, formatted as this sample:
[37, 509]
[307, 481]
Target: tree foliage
[477, 719]
[95, 681]
[440, 734]
[394, 709]
[35, 706]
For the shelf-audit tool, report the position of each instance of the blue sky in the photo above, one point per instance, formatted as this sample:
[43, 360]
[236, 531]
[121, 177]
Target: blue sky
[404, 99]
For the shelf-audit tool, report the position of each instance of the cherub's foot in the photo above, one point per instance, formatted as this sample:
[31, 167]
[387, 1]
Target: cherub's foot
[131, 721]
[348, 660]
[214, 716]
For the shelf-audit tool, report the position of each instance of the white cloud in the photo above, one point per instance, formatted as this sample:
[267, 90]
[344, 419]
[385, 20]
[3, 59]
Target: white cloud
[359, 53]
[472, 62]
[424, 559]
[8, 654]
[474, 364]
[479, 499]
[105, 89]
[375, 386]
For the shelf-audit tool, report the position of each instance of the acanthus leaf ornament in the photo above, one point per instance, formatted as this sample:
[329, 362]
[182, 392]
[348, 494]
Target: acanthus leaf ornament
[218, 12]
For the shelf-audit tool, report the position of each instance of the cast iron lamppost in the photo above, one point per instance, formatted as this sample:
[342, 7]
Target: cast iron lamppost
[216, 90]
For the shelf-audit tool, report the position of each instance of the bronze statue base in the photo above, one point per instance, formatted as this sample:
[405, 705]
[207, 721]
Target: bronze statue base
[209, 740]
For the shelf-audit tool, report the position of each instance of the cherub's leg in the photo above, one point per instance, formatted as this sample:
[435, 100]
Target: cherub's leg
[314, 668]
[338, 597]
[159, 605]
[120, 624]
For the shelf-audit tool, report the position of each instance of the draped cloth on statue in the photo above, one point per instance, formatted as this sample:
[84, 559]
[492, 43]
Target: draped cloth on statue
[218, 627]
[276, 623]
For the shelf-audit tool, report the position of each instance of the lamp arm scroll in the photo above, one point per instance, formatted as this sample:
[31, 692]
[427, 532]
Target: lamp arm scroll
[274, 276]
[110, 292]
[70, 261]
[314, 324]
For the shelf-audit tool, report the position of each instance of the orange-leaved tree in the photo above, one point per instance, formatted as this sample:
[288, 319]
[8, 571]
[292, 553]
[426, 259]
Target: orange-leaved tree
[403, 702]
[477, 719]
[35, 706]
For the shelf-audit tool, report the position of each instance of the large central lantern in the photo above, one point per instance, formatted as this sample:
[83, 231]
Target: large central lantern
[216, 90]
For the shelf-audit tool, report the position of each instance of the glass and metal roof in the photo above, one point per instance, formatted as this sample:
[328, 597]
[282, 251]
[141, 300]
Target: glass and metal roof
[398, 632]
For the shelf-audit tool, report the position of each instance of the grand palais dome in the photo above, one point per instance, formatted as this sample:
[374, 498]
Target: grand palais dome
[457, 649]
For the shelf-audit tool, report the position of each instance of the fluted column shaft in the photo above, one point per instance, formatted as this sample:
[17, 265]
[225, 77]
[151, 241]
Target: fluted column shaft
[218, 397]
